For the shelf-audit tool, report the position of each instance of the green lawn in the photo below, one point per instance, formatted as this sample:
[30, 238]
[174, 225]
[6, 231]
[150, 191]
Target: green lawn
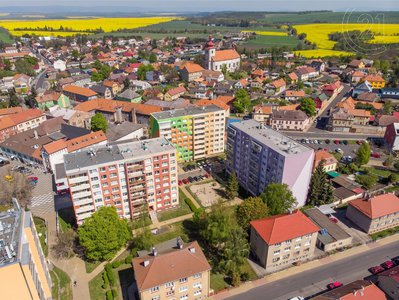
[62, 289]
[66, 218]
[4, 36]
[174, 230]
[42, 233]
[172, 213]
[378, 172]
[90, 266]
[392, 189]
[96, 291]
[385, 233]
[217, 282]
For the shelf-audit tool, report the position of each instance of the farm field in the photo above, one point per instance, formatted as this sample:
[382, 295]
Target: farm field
[318, 34]
[268, 33]
[266, 41]
[4, 36]
[82, 25]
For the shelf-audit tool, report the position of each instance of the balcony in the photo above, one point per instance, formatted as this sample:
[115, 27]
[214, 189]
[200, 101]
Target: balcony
[84, 209]
[80, 187]
[81, 194]
[78, 179]
[82, 202]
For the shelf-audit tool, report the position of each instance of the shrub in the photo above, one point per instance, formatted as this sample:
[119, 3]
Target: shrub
[110, 274]
[105, 280]
[128, 259]
[108, 295]
[245, 276]
[116, 264]
[114, 293]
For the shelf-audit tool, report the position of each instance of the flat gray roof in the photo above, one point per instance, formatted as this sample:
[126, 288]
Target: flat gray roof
[187, 111]
[10, 234]
[334, 232]
[105, 154]
[270, 137]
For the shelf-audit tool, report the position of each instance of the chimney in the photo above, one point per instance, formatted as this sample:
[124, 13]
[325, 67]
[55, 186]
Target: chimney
[35, 134]
[118, 115]
[154, 251]
[134, 116]
[146, 263]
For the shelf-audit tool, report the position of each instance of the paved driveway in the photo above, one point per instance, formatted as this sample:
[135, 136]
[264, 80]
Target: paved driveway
[352, 229]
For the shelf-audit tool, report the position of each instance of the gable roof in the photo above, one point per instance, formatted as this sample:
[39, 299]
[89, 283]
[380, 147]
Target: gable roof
[277, 229]
[176, 91]
[193, 68]
[324, 155]
[278, 83]
[218, 103]
[292, 93]
[74, 89]
[109, 105]
[55, 146]
[377, 206]
[163, 268]
[222, 55]
[10, 111]
[86, 140]
[26, 115]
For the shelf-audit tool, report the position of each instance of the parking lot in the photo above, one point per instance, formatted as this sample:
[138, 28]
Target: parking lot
[200, 170]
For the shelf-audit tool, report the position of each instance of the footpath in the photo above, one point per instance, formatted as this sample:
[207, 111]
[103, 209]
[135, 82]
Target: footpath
[245, 287]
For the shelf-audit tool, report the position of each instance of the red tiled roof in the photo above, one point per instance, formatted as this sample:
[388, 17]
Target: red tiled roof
[277, 229]
[6, 122]
[10, 111]
[192, 68]
[86, 140]
[374, 78]
[324, 155]
[377, 206]
[108, 105]
[221, 55]
[74, 89]
[218, 103]
[176, 91]
[26, 115]
[170, 266]
[279, 83]
[55, 146]
[295, 93]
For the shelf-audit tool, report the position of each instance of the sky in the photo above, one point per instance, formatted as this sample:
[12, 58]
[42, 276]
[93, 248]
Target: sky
[209, 5]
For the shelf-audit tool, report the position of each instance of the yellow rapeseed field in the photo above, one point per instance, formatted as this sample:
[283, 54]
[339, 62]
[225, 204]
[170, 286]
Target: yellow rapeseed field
[275, 33]
[107, 24]
[318, 33]
[321, 53]
[385, 39]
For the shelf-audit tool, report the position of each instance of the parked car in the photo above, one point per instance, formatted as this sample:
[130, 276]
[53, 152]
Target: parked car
[345, 142]
[376, 155]
[359, 142]
[180, 182]
[376, 269]
[4, 162]
[333, 219]
[334, 285]
[339, 150]
[388, 264]
[336, 142]
[63, 192]
[396, 260]
[328, 141]
[190, 179]
[206, 175]
[185, 180]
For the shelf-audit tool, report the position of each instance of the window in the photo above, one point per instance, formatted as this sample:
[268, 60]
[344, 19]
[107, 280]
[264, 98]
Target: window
[277, 252]
[198, 292]
[197, 285]
[183, 280]
[197, 276]
[286, 249]
[156, 298]
[184, 297]
[154, 289]
[169, 284]
[183, 289]
[276, 259]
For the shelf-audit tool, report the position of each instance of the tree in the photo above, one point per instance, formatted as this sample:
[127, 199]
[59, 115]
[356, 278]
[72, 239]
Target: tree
[388, 107]
[253, 208]
[278, 198]
[242, 102]
[320, 190]
[31, 99]
[14, 101]
[15, 185]
[99, 122]
[224, 241]
[232, 187]
[367, 180]
[142, 71]
[363, 154]
[308, 107]
[389, 161]
[224, 70]
[126, 83]
[65, 243]
[103, 234]
[152, 58]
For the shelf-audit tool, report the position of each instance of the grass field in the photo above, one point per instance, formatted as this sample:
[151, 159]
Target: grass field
[61, 289]
[267, 41]
[83, 25]
[4, 36]
[318, 34]
[273, 33]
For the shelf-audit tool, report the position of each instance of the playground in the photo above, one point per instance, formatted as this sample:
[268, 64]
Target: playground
[208, 193]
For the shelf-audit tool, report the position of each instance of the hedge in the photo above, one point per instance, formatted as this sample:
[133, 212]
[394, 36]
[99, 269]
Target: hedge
[105, 280]
[110, 274]
[108, 295]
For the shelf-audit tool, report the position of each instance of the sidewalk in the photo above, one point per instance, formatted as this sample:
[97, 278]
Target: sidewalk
[245, 287]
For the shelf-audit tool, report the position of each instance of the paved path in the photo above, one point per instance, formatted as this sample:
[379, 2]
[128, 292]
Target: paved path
[312, 277]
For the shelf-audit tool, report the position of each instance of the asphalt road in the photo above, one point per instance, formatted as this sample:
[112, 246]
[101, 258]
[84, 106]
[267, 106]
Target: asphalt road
[315, 281]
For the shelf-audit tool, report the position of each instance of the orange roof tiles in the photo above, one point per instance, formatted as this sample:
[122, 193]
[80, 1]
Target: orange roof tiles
[6, 122]
[48, 97]
[192, 68]
[74, 89]
[278, 83]
[55, 146]
[86, 140]
[225, 99]
[10, 111]
[374, 78]
[295, 93]
[377, 206]
[218, 103]
[169, 266]
[267, 110]
[277, 229]
[289, 107]
[108, 105]
[293, 76]
[221, 55]
[324, 155]
[176, 91]
[26, 115]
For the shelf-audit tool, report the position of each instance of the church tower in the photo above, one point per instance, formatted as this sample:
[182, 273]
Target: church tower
[210, 52]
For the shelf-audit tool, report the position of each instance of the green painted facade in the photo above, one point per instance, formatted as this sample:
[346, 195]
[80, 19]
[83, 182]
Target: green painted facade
[63, 101]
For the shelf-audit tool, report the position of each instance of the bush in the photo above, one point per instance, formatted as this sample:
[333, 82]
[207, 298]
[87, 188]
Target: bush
[128, 259]
[114, 293]
[108, 295]
[245, 276]
[396, 165]
[116, 264]
[110, 274]
[105, 280]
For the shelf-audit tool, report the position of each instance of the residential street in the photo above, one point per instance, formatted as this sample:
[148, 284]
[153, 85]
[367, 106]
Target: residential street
[314, 281]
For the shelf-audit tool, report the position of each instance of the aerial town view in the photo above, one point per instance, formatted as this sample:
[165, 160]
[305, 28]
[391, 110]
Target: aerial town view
[191, 150]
